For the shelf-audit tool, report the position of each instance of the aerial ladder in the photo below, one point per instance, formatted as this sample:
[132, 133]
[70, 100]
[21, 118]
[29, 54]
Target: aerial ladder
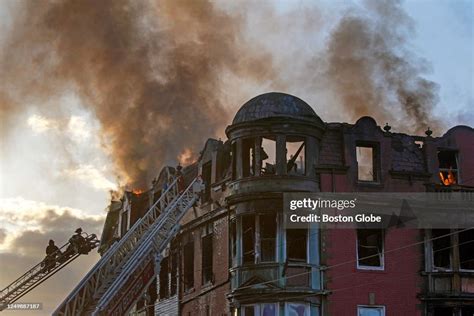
[48, 267]
[126, 269]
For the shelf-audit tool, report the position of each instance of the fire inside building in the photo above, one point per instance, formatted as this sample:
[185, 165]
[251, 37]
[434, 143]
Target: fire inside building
[233, 256]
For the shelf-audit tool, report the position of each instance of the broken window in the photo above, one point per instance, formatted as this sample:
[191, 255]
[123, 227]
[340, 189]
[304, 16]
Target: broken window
[173, 271]
[164, 278]
[366, 163]
[188, 265]
[466, 249]
[370, 248]
[267, 237]
[296, 244]
[207, 254]
[448, 167]
[295, 155]
[248, 238]
[441, 242]
[268, 156]
[259, 238]
[206, 178]
[370, 311]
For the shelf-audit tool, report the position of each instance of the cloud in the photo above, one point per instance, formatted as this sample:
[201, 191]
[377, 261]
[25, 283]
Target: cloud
[28, 225]
[91, 176]
[40, 124]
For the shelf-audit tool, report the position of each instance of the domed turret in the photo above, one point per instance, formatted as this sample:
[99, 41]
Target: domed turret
[273, 105]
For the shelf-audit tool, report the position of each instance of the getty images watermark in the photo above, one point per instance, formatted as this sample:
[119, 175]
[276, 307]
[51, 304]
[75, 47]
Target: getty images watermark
[378, 210]
[25, 306]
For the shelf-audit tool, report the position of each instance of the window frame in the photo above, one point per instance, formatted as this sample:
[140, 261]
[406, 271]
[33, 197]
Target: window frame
[257, 239]
[382, 259]
[307, 247]
[258, 308]
[382, 307]
[376, 161]
[307, 309]
[207, 233]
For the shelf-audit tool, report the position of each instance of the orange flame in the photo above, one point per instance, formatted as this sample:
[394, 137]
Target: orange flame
[186, 157]
[137, 191]
[449, 180]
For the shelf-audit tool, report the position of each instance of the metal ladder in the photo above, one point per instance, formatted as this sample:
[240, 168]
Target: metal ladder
[143, 242]
[40, 273]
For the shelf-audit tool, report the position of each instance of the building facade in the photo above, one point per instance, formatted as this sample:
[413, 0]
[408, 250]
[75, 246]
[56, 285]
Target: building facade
[234, 256]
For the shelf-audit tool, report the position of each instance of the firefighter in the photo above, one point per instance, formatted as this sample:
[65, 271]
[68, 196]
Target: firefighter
[52, 253]
[179, 175]
[77, 243]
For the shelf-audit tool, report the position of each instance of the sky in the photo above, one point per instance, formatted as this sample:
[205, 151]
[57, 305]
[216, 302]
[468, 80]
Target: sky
[56, 172]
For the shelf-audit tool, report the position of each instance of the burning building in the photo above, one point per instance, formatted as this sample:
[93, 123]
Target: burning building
[232, 254]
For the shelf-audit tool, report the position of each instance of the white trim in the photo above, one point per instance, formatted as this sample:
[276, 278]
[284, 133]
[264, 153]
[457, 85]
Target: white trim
[382, 307]
[382, 257]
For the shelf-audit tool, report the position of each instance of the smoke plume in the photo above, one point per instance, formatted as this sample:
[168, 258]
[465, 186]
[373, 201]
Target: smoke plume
[152, 71]
[373, 72]
[149, 71]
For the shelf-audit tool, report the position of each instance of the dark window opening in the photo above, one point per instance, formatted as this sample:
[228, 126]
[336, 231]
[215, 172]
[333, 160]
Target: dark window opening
[443, 311]
[366, 163]
[164, 278]
[207, 256]
[370, 248]
[295, 156]
[206, 177]
[268, 156]
[234, 160]
[173, 271]
[233, 241]
[249, 311]
[124, 223]
[268, 237]
[441, 241]
[248, 238]
[448, 167]
[188, 268]
[467, 311]
[296, 244]
[466, 249]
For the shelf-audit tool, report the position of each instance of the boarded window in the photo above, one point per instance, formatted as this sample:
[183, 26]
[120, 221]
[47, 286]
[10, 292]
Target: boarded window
[441, 241]
[366, 166]
[248, 238]
[164, 278]
[296, 244]
[466, 249]
[207, 255]
[206, 177]
[267, 237]
[188, 266]
[370, 248]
